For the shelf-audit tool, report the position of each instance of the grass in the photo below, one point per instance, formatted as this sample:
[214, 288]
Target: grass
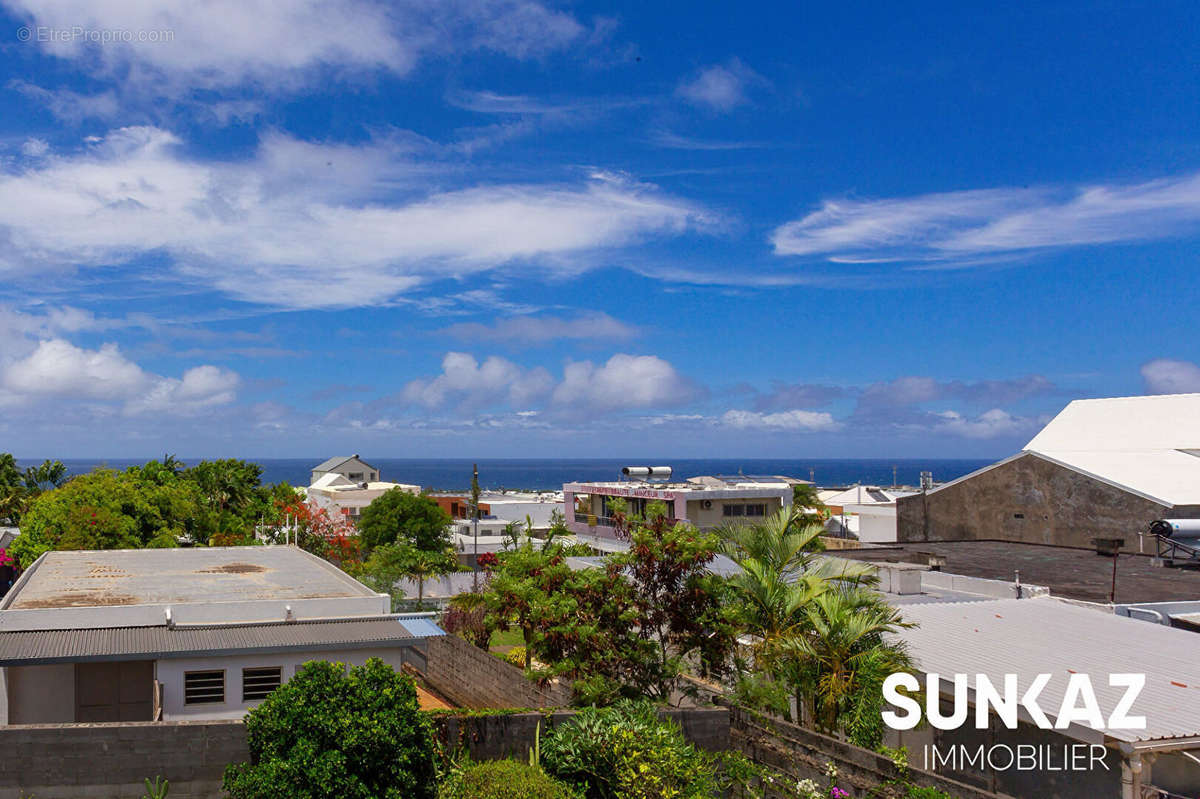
[510, 638]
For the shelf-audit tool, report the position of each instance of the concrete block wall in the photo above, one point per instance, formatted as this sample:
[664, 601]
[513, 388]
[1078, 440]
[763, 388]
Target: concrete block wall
[470, 677]
[805, 754]
[513, 734]
[99, 761]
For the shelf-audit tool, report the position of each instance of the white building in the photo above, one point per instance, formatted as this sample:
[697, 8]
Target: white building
[345, 485]
[173, 634]
[706, 502]
[867, 513]
[523, 506]
[352, 467]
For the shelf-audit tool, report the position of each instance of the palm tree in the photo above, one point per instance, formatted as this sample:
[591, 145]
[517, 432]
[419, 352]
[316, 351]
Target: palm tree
[838, 655]
[781, 572]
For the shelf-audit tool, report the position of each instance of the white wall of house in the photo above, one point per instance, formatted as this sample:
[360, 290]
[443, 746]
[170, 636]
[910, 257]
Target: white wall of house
[876, 522]
[40, 694]
[170, 674]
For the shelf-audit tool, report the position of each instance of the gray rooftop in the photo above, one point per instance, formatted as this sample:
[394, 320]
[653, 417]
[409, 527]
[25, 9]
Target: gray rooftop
[124, 643]
[1028, 637]
[178, 576]
[336, 461]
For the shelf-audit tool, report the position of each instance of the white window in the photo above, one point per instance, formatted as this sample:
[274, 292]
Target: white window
[259, 682]
[204, 687]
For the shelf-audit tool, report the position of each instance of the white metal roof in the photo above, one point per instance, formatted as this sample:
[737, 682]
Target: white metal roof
[1028, 637]
[1166, 421]
[1147, 445]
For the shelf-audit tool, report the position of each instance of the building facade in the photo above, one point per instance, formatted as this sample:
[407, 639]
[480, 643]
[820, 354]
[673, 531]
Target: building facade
[177, 634]
[1100, 469]
[705, 502]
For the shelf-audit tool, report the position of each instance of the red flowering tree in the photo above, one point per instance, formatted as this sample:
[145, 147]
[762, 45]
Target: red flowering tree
[315, 530]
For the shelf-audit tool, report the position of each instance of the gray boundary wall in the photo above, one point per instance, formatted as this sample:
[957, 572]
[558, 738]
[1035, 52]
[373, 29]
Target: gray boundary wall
[99, 761]
[804, 754]
[111, 761]
[501, 735]
[470, 677]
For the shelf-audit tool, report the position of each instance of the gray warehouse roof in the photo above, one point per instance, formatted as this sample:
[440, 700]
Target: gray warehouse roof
[1028, 637]
[178, 576]
[137, 643]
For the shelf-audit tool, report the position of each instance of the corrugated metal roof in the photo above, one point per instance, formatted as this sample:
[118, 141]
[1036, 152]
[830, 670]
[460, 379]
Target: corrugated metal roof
[125, 643]
[1028, 637]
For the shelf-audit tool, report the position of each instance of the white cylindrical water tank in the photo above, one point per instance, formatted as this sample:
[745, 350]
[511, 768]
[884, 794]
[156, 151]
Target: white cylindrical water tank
[635, 471]
[662, 472]
[1176, 528]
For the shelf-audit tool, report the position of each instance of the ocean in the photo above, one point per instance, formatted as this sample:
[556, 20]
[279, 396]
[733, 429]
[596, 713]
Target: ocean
[543, 474]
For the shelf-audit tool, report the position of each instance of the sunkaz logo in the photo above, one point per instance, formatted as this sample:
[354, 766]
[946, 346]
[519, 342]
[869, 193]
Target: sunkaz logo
[1078, 705]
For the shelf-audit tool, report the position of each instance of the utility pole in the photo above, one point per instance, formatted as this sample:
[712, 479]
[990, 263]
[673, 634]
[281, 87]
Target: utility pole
[475, 521]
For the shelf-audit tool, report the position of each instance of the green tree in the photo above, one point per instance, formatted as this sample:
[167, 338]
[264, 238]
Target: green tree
[400, 517]
[326, 734]
[227, 485]
[780, 571]
[838, 658]
[19, 488]
[520, 587]
[680, 604]
[627, 752]
[129, 510]
[808, 505]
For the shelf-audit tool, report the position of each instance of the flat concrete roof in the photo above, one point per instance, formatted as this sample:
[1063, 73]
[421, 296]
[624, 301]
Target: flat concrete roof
[178, 576]
[1066, 571]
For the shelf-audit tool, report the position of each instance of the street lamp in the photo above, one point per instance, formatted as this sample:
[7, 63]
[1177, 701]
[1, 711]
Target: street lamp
[475, 522]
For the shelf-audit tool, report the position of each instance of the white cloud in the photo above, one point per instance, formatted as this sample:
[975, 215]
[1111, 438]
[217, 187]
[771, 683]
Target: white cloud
[215, 43]
[624, 381]
[993, 223]
[200, 387]
[71, 106]
[59, 370]
[721, 87]
[989, 424]
[35, 148]
[466, 382]
[814, 421]
[596, 326]
[1166, 376]
[306, 225]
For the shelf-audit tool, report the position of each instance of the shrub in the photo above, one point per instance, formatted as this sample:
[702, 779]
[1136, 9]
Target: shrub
[922, 792]
[326, 734]
[626, 751]
[469, 622]
[516, 656]
[504, 779]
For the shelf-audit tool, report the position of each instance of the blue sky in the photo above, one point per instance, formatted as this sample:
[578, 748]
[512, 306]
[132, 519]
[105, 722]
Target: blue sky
[505, 228]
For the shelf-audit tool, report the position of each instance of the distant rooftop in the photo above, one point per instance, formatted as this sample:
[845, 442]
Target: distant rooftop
[178, 576]
[1067, 572]
[702, 483]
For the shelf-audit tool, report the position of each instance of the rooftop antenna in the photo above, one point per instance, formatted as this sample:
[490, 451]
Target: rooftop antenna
[895, 482]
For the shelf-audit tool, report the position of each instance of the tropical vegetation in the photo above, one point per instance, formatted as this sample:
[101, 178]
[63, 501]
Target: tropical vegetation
[329, 733]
